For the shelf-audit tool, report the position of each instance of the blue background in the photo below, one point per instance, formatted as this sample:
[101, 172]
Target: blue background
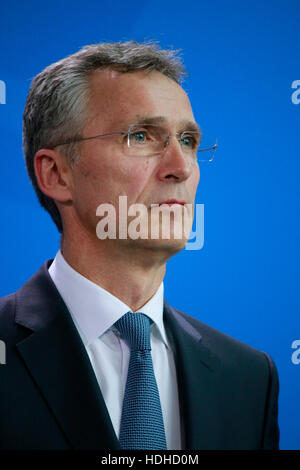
[242, 58]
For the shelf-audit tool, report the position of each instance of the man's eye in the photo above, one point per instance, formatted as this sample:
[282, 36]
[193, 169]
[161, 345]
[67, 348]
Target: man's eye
[138, 137]
[188, 141]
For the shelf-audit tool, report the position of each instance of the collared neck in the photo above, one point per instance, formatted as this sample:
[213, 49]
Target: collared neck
[94, 309]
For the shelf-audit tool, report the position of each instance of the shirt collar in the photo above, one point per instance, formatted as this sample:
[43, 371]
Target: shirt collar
[93, 309]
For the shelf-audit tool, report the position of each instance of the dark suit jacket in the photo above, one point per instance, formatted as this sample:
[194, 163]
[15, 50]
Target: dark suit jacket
[50, 398]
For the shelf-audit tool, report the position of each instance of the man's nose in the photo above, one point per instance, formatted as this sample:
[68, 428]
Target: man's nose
[174, 163]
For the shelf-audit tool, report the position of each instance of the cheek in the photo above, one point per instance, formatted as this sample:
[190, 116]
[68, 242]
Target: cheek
[132, 176]
[195, 179]
[198, 176]
[140, 177]
[105, 180]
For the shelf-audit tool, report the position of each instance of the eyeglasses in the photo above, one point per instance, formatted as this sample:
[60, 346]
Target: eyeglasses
[151, 139]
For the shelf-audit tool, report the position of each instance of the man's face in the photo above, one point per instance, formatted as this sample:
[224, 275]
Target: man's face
[103, 172]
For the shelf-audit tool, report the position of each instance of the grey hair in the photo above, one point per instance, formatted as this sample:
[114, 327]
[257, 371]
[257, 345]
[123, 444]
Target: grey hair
[55, 109]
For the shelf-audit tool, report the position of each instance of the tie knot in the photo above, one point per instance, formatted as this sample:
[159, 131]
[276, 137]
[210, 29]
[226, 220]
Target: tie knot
[135, 328]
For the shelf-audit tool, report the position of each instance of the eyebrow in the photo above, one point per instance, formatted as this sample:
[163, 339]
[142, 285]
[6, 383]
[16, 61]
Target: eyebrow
[184, 124]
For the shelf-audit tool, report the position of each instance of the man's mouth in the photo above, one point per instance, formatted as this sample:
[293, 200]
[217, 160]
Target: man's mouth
[170, 202]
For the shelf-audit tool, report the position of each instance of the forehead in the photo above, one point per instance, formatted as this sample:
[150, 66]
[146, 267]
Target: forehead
[123, 98]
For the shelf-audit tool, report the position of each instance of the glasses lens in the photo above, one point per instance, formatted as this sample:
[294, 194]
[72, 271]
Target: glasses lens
[146, 139]
[190, 141]
[149, 139]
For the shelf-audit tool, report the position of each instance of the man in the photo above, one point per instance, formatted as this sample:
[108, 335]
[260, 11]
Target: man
[112, 120]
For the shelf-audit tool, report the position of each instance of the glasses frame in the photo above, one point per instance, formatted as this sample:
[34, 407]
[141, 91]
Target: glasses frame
[128, 133]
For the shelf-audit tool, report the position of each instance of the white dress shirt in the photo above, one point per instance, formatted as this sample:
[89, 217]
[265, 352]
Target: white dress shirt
[94, 311]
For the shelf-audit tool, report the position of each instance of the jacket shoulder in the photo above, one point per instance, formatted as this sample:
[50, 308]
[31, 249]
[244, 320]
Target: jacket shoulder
[7, 317]
[231, 351]
[7, 308]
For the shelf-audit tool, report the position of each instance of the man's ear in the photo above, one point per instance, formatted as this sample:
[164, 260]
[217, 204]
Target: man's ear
[53, 175]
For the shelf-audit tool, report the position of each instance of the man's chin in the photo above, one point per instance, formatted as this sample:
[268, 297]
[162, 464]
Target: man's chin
[158, 245]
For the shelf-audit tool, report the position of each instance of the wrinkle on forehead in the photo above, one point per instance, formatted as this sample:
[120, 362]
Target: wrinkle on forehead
[117, 97]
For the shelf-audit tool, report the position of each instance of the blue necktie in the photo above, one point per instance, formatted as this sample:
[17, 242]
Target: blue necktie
[142, 424]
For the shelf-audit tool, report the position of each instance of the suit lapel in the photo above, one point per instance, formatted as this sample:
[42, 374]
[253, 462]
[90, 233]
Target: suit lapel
[198, 382]
[58, 363]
